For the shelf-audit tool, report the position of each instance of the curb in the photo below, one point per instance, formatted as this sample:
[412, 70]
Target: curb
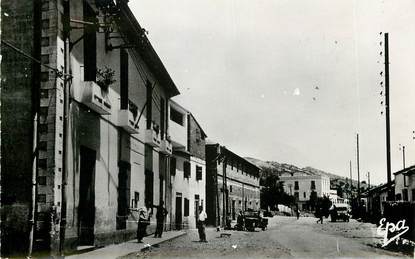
[162, 241]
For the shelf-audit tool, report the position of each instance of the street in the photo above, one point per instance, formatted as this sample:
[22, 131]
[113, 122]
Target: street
[285, 237]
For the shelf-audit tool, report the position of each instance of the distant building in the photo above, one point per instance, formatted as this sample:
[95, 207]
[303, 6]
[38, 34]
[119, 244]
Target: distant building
[187, 168]
[304, 184]
[232, 184]
[405, 184]
[375, 199]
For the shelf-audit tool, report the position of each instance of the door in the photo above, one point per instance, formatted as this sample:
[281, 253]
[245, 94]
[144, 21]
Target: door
[86, 208]
[123, 195]
[196, 207]
[233, 210]
[178, 211]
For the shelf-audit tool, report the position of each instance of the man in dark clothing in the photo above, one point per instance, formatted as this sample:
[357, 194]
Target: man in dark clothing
[160, 215]
[201, 221]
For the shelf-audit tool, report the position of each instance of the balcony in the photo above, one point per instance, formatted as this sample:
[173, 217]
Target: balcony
[166, 146]
[94, 97]
[126, 120]
[152, 136]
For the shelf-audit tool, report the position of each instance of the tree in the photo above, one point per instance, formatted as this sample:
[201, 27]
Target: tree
[272, 192]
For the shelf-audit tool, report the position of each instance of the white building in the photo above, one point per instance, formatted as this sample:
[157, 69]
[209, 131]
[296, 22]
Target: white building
[188, 167]
[405, 184]
[303, 184]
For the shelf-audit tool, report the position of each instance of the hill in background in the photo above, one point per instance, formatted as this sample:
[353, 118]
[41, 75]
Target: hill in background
[340, 183]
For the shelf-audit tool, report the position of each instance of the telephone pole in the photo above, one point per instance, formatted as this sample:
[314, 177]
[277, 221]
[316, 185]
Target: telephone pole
[387, 108]
[351, 179]
[358, 168]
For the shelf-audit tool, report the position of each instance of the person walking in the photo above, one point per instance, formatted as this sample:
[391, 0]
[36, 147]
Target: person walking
[160, 215]
[143, 222]
[201, 221]
[240, 221]
[319, 214]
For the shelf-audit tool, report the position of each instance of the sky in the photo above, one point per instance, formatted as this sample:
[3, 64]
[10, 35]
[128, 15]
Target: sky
[292, 81]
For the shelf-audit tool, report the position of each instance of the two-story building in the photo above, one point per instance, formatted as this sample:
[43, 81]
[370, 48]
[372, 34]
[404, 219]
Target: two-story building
[97, 117]
[304, 185]
[187, 167]
[232, 184]
[405, 184]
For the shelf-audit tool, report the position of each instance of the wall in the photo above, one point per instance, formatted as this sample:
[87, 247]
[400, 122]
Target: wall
[18, 104]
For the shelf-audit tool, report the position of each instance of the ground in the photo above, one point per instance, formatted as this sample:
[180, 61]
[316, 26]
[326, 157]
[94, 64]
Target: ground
[285, 237]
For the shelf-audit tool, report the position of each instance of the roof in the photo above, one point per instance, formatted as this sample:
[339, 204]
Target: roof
[134, 33]
[232, 153]
[408, 170]
[381, 188]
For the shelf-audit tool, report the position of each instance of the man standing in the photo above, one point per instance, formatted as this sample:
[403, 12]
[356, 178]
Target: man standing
[201, 224]
[160, 215]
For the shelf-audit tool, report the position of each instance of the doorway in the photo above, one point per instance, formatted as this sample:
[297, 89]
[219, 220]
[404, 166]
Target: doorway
[86, 208]
[178, 211]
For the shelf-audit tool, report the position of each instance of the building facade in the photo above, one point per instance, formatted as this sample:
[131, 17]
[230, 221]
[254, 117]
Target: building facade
[405, 184]
[98, 122]
[232, 185]
[188, 167]
[304, 185]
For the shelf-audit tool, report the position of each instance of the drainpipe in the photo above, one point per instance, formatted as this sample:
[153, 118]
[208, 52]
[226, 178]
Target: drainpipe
[66, 38]
[34, 178]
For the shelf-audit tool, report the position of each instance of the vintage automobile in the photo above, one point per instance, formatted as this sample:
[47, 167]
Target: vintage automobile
[253, 219]
[340, 211]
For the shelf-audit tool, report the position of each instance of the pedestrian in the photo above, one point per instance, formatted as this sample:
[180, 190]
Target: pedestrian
[160, 215]
[319, 214]
[298, 213]
[240, 221]
[143, 222]
[201, 222]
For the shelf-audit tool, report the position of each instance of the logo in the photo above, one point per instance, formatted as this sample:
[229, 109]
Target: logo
[387, 229]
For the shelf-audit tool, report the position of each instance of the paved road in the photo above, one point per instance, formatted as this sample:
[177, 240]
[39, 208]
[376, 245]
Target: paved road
[285, 238]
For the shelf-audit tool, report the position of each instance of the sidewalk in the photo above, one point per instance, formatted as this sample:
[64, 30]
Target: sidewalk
[118, 250]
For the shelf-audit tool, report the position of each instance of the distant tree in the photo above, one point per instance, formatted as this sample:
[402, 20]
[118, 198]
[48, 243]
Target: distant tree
[272, 192]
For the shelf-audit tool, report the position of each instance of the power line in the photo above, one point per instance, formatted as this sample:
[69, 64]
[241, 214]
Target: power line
[60, 74]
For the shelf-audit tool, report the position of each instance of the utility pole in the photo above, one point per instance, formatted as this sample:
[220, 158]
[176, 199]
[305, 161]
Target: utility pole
[224, 202]
[387, 108]
[368, 180]
[403, 156]
[358, 168]
[351, 179]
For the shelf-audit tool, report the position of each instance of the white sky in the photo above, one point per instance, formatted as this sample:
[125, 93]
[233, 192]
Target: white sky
[248, 71]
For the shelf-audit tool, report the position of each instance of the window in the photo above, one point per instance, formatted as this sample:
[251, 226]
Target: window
[230, 188]
[176, 116]
[405, 194]
[296, 195]
[304, 195]
[148, 191]
[398, 196]
[296, 185]
[186, 207]
[173, 166]
[198, 173]
[313, 185]
[413, 195]
[124, 79]
[90, 46]
[186, 169]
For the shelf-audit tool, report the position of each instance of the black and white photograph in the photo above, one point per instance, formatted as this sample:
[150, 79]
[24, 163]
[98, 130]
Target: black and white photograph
[207, 129]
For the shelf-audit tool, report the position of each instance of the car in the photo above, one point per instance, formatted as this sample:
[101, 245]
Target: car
[253, 219]
[340, 211]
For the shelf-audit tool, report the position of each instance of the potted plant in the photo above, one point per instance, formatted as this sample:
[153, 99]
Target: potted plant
[105, 77]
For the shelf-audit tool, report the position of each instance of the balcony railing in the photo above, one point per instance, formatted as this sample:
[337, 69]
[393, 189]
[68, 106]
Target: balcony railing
[94, 97]
[166, 146]
[152, 136]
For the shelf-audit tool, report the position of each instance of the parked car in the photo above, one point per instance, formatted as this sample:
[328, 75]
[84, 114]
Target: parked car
[340, 211]
[253, 219]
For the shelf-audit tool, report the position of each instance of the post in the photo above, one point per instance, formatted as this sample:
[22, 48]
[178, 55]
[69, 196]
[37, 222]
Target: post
[403, 157]
[224, 193]
[34, 187]
[368, 179]
[351, 179]
[358, 168]
[387, 108]
[66, 83]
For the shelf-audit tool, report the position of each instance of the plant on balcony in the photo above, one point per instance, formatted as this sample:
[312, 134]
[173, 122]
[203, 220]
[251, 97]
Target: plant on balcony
[156, 127]
[105, 77]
